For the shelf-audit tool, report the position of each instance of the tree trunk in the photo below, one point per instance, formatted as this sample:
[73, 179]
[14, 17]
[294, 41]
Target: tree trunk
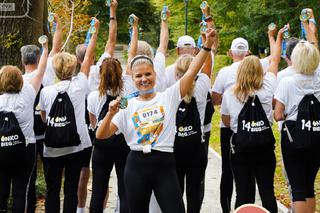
[20, 26]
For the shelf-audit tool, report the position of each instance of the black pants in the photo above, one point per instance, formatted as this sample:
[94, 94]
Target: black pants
[192, 169]
[32, 197]
[301, 166]
[103, 159]
[72, 166]
[153, 171]
[251, 167]
[226, 182]
[206, 146]
[16, 173]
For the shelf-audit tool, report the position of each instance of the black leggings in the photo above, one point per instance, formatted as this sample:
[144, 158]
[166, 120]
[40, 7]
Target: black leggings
[301, 166]
[251, 167]
[103, 159]
[192, 169]
[153, 171]
[32, 197]
[226, 182]
[16, 173]
[72, 166]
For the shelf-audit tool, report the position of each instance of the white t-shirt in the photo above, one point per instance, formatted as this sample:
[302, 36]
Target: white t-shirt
[227, 77]
[232, 106]
[76, 89]
[21, 104]
[292, 89]
[48, 77]
[94, 75]
[171, 75]
[153, 121]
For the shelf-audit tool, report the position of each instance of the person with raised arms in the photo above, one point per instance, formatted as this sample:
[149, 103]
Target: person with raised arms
[147, 123]
[62, 106]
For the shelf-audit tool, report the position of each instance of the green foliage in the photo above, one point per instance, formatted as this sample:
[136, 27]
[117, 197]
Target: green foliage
[11, 40]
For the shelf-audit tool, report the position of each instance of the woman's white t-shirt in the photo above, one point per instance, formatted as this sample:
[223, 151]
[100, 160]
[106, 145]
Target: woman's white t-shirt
[232, 106]
[293, 88]
[150, 122]
[77, 89]
[21, 104]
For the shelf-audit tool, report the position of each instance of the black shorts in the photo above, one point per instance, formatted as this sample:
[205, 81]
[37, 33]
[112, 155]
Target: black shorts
[86, 156]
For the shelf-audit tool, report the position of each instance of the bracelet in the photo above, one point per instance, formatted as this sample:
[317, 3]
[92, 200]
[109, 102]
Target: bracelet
[112, 18]
[206, 48]
[312, 20]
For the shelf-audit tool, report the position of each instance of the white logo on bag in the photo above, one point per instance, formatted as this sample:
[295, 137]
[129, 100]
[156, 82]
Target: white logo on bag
[10, 140]
[307, 125]
[253, 126]
[185, 131]
[58, 121]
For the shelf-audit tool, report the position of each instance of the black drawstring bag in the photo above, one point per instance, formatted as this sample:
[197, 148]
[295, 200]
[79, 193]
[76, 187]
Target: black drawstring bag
[209, 110]
[12, 140]
[307, 129]
[61, 128]
[254, 132]
[39, 126]
[114, 140]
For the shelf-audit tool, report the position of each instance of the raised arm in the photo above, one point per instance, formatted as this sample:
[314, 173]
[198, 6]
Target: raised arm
[164, 35]
[88, 58]
[311, 29]
[37, 80]
[276, 53]
[207, 67]
[57, 37]
[112, 40]
[196, 64]
[133, 43]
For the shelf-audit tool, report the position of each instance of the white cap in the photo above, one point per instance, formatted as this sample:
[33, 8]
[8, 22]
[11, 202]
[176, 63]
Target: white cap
[239, 44]
[186, 41]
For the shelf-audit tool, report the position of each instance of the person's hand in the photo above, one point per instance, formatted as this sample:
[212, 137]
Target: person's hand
[114, 106]
[96, 23]
[205, 11]
[272, 32]
[309, 10]
[283, 29]
[168, 12]
[45, 44]
[114, 4]
[135, 21]
[211, 36]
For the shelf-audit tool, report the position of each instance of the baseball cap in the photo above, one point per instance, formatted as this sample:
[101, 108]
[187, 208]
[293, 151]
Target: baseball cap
[240, 44]
[186, 41]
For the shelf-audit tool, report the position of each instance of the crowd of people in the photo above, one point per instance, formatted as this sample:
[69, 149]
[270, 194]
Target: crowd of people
[153, 123]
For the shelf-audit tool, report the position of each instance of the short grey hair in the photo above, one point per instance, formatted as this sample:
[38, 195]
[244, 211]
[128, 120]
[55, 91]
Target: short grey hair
[239, 53]
[81, 51]
[144, 48]
[30, 54]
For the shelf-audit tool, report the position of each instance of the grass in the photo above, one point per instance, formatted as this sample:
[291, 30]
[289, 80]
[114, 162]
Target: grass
[280, 185]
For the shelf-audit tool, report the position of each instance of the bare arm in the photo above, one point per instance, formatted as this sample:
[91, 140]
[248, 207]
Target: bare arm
[164, 35]
[57, 37]
[279, 111]
[196, 64]
[225, 120]
[311, 30]
[93, 120]
[43, 116]
[37, 80]
[112, 40]
[216, 98]
[276, 53]
[133, 44]
[88, 58]
[106, 129]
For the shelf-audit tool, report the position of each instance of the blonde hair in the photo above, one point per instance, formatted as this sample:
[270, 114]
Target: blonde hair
[249, 78]
[145, 49]
[141, 59]
[110, 77]
[64, 65]
[181, 67]
[11, 80]
[305, 58]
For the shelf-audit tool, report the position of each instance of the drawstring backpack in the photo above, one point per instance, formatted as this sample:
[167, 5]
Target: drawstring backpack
[12, 140]
[61, 128]
[254, 132]
[39, 126]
